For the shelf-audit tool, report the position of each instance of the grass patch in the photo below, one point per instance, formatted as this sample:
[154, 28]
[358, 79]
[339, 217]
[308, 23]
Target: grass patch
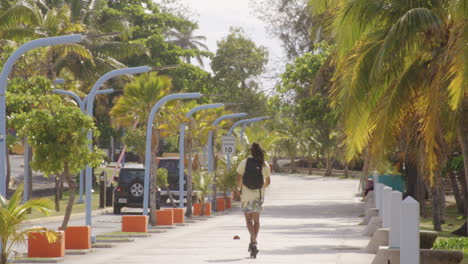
[453, 220]
[77, 207]
[121, 233]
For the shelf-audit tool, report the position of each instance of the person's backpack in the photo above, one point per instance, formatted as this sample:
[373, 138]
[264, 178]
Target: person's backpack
[253, 177]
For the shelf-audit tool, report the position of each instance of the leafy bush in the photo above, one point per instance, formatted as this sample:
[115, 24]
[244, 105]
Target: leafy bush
[459, 243]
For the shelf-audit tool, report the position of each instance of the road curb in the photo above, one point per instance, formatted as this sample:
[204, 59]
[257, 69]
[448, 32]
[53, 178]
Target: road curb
[51, 219]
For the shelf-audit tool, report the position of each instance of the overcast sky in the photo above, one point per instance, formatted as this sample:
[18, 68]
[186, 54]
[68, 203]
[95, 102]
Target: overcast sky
[215, 17]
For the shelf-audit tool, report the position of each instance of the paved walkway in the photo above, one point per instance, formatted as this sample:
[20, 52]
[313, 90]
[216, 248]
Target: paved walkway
[307, 219]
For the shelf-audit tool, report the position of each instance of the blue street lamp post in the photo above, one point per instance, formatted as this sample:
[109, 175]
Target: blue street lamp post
[43, 42]
[244, 122]
[211, 155]
[182, 150]
[82, 105]
[89, 111]
[149, 130]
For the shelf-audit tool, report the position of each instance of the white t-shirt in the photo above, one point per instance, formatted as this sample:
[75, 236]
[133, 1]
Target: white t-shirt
[249, 194]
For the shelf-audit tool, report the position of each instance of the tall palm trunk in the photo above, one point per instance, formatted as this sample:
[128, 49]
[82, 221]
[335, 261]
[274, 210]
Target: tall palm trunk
[463, 136]
[293, 164]
[329, 166]
[437, 205]
[310, 165]
[171, 197]
[346, 170]
[457, 193]
[188, 212]
[71, 195]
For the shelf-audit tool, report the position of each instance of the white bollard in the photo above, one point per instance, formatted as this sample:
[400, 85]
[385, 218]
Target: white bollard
[380, 195]
[376, 189]
[386, 202]
[409, 235]
[395, 213]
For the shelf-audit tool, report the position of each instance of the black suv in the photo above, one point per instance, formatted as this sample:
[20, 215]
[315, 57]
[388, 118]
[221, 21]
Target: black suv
[129, 190]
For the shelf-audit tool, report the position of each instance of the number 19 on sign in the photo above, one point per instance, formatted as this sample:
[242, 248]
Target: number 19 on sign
[229, 144]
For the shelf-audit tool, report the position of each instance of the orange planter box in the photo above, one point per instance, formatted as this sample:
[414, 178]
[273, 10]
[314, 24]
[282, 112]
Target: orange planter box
[39, 247]
[197, 209]
[220, 204]
[228, 200]
[135, 223]
[78, 237]
[178, 215]
[164, 217]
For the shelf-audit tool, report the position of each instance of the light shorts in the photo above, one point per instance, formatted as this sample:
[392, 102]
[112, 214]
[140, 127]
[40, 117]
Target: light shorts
[254, 206]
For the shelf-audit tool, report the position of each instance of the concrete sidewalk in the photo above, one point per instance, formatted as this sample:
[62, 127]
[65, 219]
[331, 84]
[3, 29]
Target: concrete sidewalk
[307, 219]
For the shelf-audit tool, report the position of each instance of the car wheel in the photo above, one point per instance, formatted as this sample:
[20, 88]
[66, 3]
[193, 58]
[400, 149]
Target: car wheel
[117, 209]
[136, 189]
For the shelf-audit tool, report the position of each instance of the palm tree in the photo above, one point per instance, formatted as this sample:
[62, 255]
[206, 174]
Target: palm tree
[186, 39]
[132, 110]
[398, 61]
[13, 213]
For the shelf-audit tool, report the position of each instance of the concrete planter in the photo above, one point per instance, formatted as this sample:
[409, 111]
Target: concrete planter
[220, 204]
[164, 218]
[197, 209]
[40, 247]
[178, 215]
[228, 201]
[78, 237]
[135, 223]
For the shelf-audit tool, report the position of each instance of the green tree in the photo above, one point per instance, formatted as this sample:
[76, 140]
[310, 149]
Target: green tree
[292, 23]
[186, 39]
[236, 63]
[13, 214]
[57, 133]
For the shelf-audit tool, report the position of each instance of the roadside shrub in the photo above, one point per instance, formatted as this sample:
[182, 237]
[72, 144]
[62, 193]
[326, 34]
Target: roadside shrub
[458, 243]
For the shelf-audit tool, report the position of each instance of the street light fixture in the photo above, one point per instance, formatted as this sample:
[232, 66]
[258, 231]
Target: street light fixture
[181, 147]
[89, 111]
[42, 42]
[149, 130]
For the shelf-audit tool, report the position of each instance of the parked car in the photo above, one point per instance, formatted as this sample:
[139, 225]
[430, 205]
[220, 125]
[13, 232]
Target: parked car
[130, 186]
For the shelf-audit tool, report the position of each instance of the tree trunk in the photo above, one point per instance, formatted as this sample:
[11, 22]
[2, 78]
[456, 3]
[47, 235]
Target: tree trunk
[328, 171]
[153, 187]
[461, 178]
[463, 135]
[171, 198]
[293, 165]
[57, 195]
[71, 195]
[457, 193]
[436, 207]
[346, 170]
[310, 166]
[188, 211]
[61, 189]
[111, 149]
[411, 172]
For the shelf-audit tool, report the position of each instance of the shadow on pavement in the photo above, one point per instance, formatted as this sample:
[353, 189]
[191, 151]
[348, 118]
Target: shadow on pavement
[322, 210]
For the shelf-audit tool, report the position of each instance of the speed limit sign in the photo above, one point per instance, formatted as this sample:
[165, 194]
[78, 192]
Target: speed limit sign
[229, 144]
